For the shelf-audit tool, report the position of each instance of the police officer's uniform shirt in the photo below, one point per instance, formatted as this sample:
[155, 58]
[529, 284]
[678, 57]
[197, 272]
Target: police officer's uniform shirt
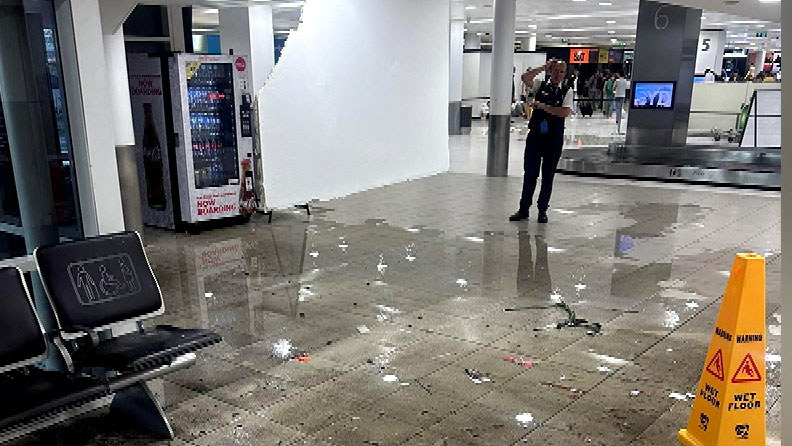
[555, 96]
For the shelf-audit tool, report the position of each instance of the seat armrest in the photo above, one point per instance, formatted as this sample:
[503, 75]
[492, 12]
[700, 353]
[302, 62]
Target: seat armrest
[88, 331]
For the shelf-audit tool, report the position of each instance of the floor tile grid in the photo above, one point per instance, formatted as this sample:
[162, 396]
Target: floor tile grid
[479, 349]
[615, 371]
[482, 346]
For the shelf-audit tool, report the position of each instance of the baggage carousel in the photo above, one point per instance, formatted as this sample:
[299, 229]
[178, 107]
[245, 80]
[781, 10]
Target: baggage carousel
[729, 166]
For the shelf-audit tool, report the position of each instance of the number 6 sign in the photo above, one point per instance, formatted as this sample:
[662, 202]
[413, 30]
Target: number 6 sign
[660, 20]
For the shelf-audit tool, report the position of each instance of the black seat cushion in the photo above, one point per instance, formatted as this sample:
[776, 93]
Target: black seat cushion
[141, 351]
[40, 393]
[22, 338]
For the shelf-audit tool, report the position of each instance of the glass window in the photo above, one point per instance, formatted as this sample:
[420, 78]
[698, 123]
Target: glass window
[38, 190]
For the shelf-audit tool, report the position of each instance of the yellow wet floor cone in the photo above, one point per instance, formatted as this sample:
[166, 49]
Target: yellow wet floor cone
[729, 408]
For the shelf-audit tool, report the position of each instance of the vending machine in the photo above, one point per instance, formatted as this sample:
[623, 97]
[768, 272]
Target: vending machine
[194, 137]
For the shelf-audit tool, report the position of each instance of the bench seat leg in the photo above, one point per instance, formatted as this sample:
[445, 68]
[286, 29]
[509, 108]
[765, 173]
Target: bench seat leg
[139, 404]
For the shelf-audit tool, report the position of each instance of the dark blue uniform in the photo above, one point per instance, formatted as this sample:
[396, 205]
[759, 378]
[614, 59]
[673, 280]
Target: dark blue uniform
[543, 146]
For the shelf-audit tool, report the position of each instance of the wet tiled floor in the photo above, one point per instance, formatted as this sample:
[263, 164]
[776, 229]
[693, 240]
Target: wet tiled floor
[401, 295]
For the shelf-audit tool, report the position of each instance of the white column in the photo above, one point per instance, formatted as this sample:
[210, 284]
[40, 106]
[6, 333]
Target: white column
[248, 31]
[472, 41]
[123, 129]
[88, 97]
[118, 84]
[501, 88]
[456, 48]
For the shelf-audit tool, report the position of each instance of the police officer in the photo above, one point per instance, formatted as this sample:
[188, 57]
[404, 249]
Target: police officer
[552, 104]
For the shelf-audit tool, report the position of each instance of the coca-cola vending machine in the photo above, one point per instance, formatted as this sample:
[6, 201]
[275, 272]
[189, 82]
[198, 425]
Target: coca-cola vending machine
[194, 137]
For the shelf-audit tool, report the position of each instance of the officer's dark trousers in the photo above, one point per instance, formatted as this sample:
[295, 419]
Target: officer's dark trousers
[542, 152]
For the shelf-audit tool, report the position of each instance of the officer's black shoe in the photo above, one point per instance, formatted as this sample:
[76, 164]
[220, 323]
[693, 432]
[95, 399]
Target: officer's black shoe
[542, 217]
[518, 216]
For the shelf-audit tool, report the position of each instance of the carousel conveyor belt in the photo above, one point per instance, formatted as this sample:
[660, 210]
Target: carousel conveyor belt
[731, 166]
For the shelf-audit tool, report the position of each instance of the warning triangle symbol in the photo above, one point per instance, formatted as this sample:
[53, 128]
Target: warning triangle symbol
[715, 366]
[747, 372]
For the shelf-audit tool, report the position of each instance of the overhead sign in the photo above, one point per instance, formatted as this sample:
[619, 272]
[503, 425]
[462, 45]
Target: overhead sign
[579, 55]
[710, 51]
[604, 54]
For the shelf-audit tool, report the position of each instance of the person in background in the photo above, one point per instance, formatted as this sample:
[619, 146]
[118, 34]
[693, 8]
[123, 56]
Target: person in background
[595, 89]
[572, 82]
[551, 106]
[751, 73]
[607, 95]
[619, 95]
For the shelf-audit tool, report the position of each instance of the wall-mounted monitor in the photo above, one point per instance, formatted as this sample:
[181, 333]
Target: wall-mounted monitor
[653, 95]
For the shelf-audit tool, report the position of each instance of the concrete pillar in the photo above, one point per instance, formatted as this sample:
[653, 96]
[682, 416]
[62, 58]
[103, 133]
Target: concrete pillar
[248, 31]
[123, 130]
[88, 96]
[529, 43]
[28, 148]
[668, 33]
[501, 88]
[472, 41]
[456, 47]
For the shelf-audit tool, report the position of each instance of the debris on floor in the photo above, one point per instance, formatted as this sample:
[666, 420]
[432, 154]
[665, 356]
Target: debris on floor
[572, 321]
[362, 329]
[520, 361]
[681, 397]
[573, 392]
[477, 377]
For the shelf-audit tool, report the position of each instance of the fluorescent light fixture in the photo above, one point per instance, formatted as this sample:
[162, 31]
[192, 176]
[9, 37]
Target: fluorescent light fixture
[289, 5]
[532, 26]
[760, 26]
[605, 4]
[549, 36]
[614, 40]
[520, 31]
[210, 11]
[769, 1]
[470, 7]
[611, 32]
[610, 22]
[476, 22]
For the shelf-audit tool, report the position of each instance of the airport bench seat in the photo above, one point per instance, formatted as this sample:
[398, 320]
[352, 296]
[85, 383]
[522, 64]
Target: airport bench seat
[144, 350]
[96, 288]
[38, 393]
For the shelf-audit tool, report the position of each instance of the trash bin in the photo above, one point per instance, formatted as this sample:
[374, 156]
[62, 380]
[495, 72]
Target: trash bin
[466, 117]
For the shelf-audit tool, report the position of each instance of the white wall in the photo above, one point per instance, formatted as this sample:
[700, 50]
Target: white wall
[721, 97]
[476, 68]
[358, 99]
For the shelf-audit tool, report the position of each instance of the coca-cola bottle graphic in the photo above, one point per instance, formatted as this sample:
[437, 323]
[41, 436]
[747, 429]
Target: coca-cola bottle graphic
[152, 162]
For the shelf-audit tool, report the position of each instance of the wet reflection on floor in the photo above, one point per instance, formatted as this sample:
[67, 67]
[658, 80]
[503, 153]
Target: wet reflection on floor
[396, 316]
